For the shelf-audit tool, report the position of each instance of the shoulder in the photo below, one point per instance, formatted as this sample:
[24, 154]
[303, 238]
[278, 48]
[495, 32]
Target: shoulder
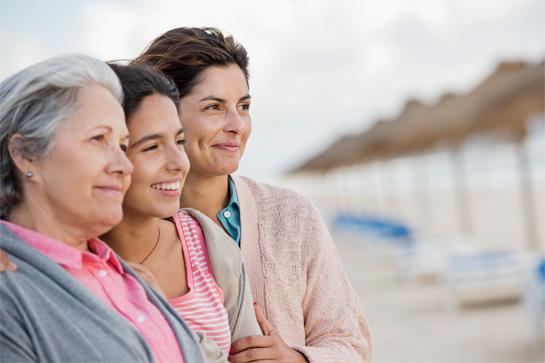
[217, 241]
[186, 218]
[273, 195]
[285, 215]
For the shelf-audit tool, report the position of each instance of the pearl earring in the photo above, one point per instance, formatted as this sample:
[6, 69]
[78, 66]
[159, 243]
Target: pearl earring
[28, 174]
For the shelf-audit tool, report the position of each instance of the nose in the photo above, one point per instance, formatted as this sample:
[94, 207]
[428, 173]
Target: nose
[119, 163]
[177, 160]
[234, 123]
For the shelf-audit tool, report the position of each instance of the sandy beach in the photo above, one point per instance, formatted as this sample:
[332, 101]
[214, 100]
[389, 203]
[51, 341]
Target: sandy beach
[409, 324]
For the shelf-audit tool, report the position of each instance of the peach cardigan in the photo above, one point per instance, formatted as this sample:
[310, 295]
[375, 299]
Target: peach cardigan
[296, 276]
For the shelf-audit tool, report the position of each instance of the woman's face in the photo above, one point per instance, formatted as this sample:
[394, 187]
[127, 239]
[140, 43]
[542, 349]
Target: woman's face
[216, 119]
[157, 153]
[87, 172]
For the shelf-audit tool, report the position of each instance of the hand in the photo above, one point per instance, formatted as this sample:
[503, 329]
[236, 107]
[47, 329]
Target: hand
[146, 275]
[5, 261]
[267, 348]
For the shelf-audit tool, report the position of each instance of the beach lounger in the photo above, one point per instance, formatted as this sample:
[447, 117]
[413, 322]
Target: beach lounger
[534, 297]
[425, 260]
[483, 277]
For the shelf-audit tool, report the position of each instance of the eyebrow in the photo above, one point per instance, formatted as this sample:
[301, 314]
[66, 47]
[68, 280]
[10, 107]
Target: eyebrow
[153, 137]
[109, 129]
[147, 138]
[221, 100]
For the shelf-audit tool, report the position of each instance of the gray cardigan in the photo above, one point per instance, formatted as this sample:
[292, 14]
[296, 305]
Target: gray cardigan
[48, 315]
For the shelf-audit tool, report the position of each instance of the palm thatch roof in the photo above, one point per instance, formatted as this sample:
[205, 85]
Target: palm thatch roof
[500, 104]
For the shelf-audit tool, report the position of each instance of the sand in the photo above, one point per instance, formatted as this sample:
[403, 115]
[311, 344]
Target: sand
[409, 324]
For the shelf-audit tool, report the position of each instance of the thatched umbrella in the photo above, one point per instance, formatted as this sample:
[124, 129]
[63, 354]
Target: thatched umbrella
[500, 104]
[505, 113]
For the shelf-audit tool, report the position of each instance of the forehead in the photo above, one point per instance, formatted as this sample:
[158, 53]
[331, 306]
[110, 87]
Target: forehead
[96, 106]
[228, 77]
[156, 113]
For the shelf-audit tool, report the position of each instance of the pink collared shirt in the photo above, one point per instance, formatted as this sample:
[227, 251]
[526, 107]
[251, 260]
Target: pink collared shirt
[102, 273]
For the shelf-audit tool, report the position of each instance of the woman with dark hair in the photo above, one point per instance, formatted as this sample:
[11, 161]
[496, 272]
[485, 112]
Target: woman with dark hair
[294, 270]
[181, 253]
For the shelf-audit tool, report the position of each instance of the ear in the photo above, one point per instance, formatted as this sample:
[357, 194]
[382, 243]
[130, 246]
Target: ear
[17, 150]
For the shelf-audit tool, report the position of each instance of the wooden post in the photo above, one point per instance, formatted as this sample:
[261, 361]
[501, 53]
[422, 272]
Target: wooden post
[461, 194]
[527, 197]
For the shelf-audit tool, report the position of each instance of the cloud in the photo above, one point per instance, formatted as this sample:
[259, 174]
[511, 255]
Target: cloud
[319, 68]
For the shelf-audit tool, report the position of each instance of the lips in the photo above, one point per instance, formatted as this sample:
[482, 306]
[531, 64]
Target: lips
[167, 186]
[227, 146]
[110, 188]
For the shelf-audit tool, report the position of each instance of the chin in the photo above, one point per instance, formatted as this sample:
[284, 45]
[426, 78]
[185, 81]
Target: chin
[112, 219]
[228, 169]
[168, 212]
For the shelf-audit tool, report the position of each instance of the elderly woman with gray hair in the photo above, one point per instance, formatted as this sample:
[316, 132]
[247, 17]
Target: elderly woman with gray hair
[63, 177]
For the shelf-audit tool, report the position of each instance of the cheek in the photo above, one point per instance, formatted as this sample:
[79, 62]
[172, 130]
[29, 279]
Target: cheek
[247, 130]
[186, 165]
[139, 175]
[127, 181]
[193, 142]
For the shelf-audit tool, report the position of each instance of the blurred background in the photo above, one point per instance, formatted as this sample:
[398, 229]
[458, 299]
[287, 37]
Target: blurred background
[416, 126]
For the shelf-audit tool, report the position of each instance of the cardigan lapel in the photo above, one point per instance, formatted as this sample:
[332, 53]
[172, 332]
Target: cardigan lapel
[250, 245]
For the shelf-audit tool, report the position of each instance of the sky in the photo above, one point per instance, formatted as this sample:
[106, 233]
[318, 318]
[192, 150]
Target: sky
[319, 69]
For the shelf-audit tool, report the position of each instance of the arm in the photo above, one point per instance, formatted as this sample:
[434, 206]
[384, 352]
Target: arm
[15, 344]
[5, 262]
[336, 328]
[298, 277]
[212, 352]
[270, 346]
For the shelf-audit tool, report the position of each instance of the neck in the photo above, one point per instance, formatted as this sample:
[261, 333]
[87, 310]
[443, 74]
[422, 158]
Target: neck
[206, 194]
[37, 217]
[133, 238]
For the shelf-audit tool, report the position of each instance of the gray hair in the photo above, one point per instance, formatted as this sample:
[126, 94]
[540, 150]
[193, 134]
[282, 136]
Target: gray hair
[34, 102]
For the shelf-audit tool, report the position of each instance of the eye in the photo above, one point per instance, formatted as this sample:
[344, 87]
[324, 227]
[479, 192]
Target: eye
[149, 148]
[180, 141]
[123, 147]
[212, 107]
[98, 137]
[245, 107]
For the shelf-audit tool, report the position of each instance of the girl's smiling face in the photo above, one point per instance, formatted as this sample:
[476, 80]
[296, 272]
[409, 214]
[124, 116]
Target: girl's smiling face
[157, 153]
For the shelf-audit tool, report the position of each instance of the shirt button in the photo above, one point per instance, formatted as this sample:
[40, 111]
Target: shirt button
[102, 273]
[141, 318]
[227, 214]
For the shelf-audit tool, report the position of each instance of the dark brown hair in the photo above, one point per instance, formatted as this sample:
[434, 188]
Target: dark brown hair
[184, 53]
[140, 81]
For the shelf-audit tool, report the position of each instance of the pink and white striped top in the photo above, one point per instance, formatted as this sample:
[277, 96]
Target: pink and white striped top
[202, 307]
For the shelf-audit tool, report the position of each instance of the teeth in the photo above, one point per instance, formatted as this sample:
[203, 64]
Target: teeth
[167, 186]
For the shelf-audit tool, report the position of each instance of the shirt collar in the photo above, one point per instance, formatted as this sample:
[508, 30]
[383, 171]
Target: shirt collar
[233, 201]
[63, 254]
[229, 217]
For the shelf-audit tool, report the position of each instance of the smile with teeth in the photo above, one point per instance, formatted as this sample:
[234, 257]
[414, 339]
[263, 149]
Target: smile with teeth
[167, 186]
